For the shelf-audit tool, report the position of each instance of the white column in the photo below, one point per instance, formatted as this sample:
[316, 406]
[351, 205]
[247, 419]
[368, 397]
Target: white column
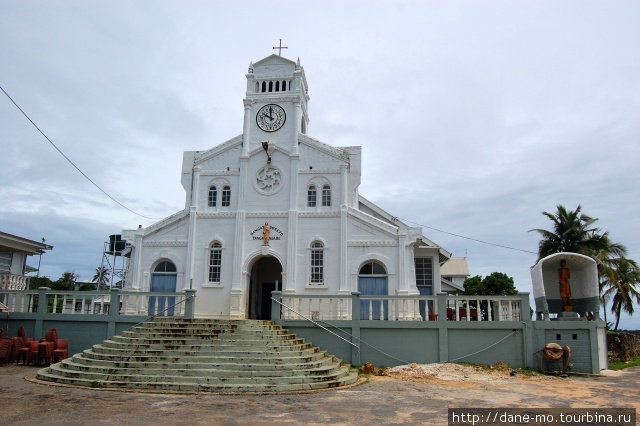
[191, 247]
[403, 285]
[136, 283]
[289, 284]
[238, 245]
[191, 239]
[238, 281]
[344, 272]
[246, 129]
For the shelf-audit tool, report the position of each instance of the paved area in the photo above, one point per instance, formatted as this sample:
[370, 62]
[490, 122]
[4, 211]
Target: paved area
[380, 400]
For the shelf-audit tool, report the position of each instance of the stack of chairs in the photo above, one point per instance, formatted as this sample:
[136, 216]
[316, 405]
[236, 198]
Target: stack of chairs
[48, 350]
[46, 347]
[6, 346]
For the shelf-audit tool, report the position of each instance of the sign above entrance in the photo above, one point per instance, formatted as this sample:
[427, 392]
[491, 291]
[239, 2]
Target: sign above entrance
[266, 233]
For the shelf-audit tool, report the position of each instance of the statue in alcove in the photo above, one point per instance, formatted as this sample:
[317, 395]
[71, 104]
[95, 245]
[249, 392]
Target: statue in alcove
[565, 287]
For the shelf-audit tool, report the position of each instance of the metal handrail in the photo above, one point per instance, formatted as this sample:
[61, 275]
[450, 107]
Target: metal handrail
[314, 322]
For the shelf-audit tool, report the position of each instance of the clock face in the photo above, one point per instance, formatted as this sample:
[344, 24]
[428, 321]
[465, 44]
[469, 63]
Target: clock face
[271, 117]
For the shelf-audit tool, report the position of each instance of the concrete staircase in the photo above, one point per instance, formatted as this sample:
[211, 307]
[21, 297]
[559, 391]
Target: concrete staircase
[186, 355]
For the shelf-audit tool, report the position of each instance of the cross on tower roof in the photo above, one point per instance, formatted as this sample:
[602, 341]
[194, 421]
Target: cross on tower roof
[280, 47]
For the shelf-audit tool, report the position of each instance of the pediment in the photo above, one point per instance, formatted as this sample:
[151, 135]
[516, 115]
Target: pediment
[218, 149]
[274, 66]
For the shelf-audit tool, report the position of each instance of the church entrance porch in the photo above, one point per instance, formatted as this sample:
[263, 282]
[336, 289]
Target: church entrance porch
[266, 276]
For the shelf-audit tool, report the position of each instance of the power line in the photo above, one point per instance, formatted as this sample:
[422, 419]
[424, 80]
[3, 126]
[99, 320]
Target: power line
[69, 160]
[467, 238]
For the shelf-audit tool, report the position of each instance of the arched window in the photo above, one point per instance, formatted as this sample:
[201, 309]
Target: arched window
[271, 86]
[215, 262]
[165, 268]
[311, 196]
[264, 86]
[213, 196]
[226, 196]
[326, 195]
[317, 263]
[372, 268]
[278, 86]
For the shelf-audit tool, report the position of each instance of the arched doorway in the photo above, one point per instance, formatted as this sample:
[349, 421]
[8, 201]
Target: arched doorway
[372, 281]
[266, 276]
[163, 280]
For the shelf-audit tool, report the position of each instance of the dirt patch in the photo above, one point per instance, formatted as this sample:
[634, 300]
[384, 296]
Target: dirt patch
[410, 394]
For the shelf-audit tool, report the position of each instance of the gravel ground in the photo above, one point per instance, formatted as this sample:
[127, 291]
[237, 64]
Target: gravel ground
[415, 394]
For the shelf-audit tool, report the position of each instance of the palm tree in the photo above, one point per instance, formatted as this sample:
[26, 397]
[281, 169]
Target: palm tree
[622, 288]
[607, 274]
[101, 277]
[573, 231]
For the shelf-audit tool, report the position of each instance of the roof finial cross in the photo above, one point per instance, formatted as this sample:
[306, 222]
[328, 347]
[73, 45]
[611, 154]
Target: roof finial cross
[280, 47]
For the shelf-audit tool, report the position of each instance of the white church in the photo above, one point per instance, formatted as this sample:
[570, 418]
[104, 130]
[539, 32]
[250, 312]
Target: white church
[275, 209]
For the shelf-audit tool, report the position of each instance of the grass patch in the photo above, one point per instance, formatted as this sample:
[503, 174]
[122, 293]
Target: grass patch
[529, 372]
[621, 365]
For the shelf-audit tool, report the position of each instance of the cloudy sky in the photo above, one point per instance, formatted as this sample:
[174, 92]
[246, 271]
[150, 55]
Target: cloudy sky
[474, 116]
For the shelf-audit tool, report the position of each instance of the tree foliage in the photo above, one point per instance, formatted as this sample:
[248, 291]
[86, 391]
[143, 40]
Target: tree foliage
[101, 277]
[37, 282]
[495, 284]
[574, 231]
[66, 282]
[622, 288]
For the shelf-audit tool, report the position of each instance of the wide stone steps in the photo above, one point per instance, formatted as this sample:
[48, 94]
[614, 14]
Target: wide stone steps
[118, 341]
[222, 370]
[181, 355]
[197, 363]
[188, 357]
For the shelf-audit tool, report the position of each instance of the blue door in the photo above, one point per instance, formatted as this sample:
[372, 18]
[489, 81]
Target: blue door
[373, 286]
[163, 280]
[426, 307]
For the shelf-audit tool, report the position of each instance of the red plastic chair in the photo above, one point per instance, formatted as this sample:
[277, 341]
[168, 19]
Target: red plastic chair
[451, 314]
[61, 351]
[19, 342]
[47, 346]
[29, 353]
[5, 350]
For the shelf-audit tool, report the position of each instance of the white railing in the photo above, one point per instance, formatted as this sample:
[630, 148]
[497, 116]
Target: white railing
[95, 303]
[399, 308]
[404, 308]
[13, 282]
[317, 307]
[19, 301]
[147, 303]
[483, 308]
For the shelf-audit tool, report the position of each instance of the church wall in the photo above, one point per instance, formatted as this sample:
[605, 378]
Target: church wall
[326, 230]
[257, 199]
[313, 177]
[227, 158]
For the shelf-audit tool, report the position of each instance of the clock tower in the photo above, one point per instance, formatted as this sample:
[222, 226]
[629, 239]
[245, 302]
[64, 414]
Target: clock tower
[275, 106]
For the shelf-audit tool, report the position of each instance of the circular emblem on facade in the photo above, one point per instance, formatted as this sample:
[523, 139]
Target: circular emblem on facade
[271, 117]
[268, 180]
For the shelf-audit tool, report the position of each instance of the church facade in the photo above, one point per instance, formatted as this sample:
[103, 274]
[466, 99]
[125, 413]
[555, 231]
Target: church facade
[275, 209]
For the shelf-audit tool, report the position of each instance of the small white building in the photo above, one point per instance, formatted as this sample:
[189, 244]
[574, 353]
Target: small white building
[454, 272]
[275, 209]
[14, 252]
